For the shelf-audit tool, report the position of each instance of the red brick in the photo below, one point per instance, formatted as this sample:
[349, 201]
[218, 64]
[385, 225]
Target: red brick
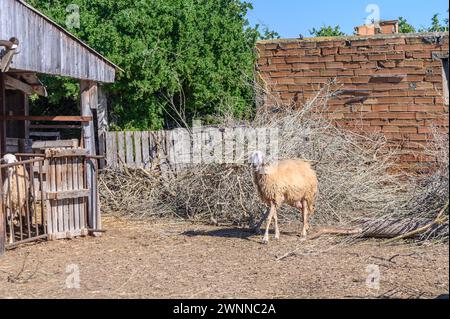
[348, 50]
[395, 100]
[411, 63]
[328, 58]
[307, 66]
[377, 57]
[352, 65]
[334, 65]
[398, 108]
[285, 81]
[330, 51]
[401, 122]
[276, 60]
[360, 79]
[424, 100]
[315, 51]
[289, 53]
[365, 71]
[409, 129]
[308, 44]
[421, 55]
[395, 56]
[391, 129]
[343, 58]
[409, 47]
[282, 67]
[289, 45]
[380, 108]
[418, 137]
[433, 78]
[360, 58]
[425, 108]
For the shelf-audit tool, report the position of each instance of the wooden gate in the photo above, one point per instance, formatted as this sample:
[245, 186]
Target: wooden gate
[48, 196]
[67, 194]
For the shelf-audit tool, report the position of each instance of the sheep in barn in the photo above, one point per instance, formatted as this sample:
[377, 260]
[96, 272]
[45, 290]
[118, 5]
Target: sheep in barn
[293, 182]
[15, 193]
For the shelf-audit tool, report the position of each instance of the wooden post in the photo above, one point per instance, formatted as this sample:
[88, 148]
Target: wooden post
[2, 113]
[2, 217]
[89, 101]
[102, 124]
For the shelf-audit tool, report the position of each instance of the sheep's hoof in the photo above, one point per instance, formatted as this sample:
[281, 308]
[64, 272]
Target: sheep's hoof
[277, 236]
[265, 241]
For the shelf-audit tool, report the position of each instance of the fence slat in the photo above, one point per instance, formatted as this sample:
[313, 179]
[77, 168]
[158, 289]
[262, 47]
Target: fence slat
[121, 148]
[145, 149]
[240, 145]
[129, 149]
[138, 149]
[111, 149]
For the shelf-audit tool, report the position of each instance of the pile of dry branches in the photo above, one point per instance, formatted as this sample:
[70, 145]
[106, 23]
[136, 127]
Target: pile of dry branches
[357, 175]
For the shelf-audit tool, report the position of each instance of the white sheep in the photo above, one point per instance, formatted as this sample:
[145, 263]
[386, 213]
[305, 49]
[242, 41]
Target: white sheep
[293, 182]
[15, 193]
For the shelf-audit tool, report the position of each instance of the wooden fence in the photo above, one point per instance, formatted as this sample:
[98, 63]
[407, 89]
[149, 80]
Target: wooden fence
[176, 149]
[48, 196]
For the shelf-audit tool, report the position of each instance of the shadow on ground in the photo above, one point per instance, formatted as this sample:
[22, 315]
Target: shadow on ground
[240, 233]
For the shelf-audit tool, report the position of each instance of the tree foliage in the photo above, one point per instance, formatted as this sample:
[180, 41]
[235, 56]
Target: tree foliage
[192, 56]
[404, 26]
[437, 25]
[327, 31]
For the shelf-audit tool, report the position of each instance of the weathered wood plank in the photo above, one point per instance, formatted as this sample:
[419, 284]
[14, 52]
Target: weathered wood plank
[129, 149]
[145, 149]
[111, 149]
[137, 136]
[54, 144]
[68, 194]
[121, 148]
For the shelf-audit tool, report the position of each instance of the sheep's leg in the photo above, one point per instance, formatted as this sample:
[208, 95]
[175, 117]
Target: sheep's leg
[277, 229]
[305, 219]
[11, 228]
[272, 213]
[257, 227]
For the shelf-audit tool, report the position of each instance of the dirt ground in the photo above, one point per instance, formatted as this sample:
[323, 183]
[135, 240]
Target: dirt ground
[171, 259]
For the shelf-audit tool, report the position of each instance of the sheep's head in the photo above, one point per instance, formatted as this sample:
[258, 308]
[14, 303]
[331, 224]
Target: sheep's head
[257, 159]
[9, 159]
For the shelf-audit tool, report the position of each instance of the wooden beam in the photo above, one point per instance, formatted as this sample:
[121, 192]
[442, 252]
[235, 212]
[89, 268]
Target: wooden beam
[11, 50]
[89, 101]
[2, 114]
[55, 144]
[72, 194]
[54, 127]
[16, 84]
[82, 119]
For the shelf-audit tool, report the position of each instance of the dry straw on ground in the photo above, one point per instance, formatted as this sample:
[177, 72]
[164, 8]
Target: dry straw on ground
[357, 172]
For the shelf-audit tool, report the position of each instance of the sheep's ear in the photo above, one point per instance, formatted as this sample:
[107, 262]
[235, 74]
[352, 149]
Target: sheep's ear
[257, 159]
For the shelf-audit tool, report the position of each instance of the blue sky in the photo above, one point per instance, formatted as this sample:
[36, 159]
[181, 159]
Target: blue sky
[293, 17]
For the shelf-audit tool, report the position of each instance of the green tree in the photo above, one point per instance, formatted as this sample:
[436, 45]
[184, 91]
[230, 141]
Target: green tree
[267, 34]
[327, 31]
[404, 26]
[437, 25]
[192, 56]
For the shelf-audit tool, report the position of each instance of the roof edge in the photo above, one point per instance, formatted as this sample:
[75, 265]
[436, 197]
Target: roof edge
[93, 51]
[355, 37]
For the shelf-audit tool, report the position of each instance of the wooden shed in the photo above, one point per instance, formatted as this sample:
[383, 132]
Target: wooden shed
[31, 44]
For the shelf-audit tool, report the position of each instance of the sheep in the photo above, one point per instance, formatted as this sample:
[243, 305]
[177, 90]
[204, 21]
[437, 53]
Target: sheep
[15, 193]
[293, 182]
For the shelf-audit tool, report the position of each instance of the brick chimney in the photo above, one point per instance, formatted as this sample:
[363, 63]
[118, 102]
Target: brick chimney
[383, 27]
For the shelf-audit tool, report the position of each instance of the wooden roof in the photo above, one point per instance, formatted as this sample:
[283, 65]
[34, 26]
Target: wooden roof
[47, 48]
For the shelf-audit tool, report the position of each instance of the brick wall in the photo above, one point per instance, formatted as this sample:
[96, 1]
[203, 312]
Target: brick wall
[393, 84]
